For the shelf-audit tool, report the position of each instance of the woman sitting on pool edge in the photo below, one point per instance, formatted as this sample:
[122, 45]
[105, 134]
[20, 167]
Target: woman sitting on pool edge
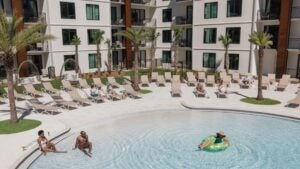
[220, 137]
[45, 145]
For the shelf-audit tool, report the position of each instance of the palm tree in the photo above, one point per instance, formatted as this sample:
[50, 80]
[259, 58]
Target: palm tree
[76, 41]
[136, 36]
[99, 37]
[177, 37]
[109, 59]
[152, 36]
[226, 41]
[262, 40]
[12, 41]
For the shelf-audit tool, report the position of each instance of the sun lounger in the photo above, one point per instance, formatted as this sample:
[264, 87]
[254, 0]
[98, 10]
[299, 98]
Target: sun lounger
[42, 108]
[287, 77]
[222, 75]
[199, 93]
[48, 88]
[282, 85]
[160, 80]
[112, 81]
[66, 85]
[32, 91]
[154, 76]
[168, 76]
[191, 79]
[83, 84]
[176, 89]
[65, 104]
[77, 98]
[227, 80]
[265, 82]
[97, 82]
[18, 96]
[221, 94]
[210, 81]
[127, 80]
[245, 85]
[272, 78]
[129, 91]
[296, 100]
[144, 80]
[201, 77]
[236, 78]
[176, 79]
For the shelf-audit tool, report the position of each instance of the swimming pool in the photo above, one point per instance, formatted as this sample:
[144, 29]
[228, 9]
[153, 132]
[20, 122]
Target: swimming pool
[169, 140]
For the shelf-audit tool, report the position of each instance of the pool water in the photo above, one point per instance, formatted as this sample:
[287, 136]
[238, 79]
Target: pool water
[169, 140]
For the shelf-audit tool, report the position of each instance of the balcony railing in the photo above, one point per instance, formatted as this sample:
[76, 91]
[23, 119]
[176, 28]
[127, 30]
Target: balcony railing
[261, 15]
[296, 12]
[144, 2]
[294, 43]
[41, 47]
[144, 22]
[182, 20]
[185, 43]
[118, 21]
[184, 0]
[117, 1]
[31, 19]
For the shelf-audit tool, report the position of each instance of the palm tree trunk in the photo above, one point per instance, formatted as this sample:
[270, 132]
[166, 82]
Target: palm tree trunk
[109, 61]
[76, 59]
[152, 57]
[11, 96]
[136, 73]
[175, 59]
[226, 61]
[260, 65]
[98, 59]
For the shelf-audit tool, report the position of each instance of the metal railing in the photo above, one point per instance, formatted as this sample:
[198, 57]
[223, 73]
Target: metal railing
[182, 20]
[31, 19]
[183, 0]
[118, 21]
[261, 15]
[118, 1]
[294, 43]
[144, 22]
[144, 2]
[296, 12]
[185, 43]
[38, 47]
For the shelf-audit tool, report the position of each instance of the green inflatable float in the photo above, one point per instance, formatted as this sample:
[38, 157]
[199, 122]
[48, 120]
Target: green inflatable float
[215, 147]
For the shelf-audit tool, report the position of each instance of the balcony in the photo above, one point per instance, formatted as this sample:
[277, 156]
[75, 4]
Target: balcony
[144, 22]
[182, 20]
[294, 43]
[41, 18]
[118, 21]
[296, 12]
[184, 1]
[144, 2]
[117, 1]
[37, 49]
[261, 15]
[185, 43]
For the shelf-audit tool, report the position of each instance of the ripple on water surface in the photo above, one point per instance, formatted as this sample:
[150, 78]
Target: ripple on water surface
[168, 140]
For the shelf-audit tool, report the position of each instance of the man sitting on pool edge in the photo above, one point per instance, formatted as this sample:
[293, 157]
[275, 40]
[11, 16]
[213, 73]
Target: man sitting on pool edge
[82, 143]
[220, 137]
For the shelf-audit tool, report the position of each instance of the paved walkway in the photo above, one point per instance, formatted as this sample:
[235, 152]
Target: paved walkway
[160, 98]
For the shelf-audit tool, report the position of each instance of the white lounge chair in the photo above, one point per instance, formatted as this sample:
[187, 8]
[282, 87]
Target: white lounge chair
[144, 80]
[168, 76]
[112, 81]
[201, 76]
[210, 81]
[176, 89]
[129, 91]
[32, 91]
[160, 81]
[83, 84]
[154, 76]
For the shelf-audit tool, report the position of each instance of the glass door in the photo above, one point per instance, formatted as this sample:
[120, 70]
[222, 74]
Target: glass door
[188, 59]
[114, 15]
[189, 14]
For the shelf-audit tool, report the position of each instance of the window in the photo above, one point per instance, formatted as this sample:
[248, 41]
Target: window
[188, 59]
[209, 60]
[210, 35]
[189, 37]
[92, 12]
[166, 57]
[70, 65]
[92, 61]
[68, 35]
[273, 30]
[234, 61]
[92, 36]
[234, 34]
[30, 11]
[115, 58]
[67, 10]
[167, 15]
[234, 8]
[167, 36]
[1, 5]
[211, 10]
[138, 16]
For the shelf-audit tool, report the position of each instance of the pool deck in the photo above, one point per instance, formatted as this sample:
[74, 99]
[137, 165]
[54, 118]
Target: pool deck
[160, 98]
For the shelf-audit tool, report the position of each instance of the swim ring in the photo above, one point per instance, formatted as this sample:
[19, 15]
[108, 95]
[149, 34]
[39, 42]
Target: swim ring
[215, 147]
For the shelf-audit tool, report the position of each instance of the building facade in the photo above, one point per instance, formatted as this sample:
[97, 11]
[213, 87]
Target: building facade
[204, 21]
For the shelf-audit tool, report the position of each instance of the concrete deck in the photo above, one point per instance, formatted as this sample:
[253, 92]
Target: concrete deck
[160, 98]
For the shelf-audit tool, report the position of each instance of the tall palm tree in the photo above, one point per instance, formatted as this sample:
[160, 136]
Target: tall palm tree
[76, 41]
[262, 40]
[152, 36]
[136, 36]
[109, 59]
[99, 37]
[177, 37]
[226, 41]
[12, 41]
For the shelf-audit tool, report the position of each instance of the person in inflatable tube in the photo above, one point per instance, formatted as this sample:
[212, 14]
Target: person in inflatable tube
[220, 137]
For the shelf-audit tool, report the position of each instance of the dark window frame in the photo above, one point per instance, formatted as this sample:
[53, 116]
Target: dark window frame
[93, 19]
[210, 16]
[234, 39]
[234, 61]
[241, 8]
[67, 11]
[93, 65]
[91, 39]
[214, 40]
[210, 55]
[167, 15]
[68, 41]
[169, 60]
[165, 38]
[69, 66]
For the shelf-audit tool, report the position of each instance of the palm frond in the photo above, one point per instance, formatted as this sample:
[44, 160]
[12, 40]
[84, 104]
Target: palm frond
[99, 36]
[226, 40]
[261, 39]
[76, 40]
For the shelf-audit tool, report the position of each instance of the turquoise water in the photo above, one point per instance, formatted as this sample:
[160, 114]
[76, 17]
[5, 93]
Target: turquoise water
[169, 140]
